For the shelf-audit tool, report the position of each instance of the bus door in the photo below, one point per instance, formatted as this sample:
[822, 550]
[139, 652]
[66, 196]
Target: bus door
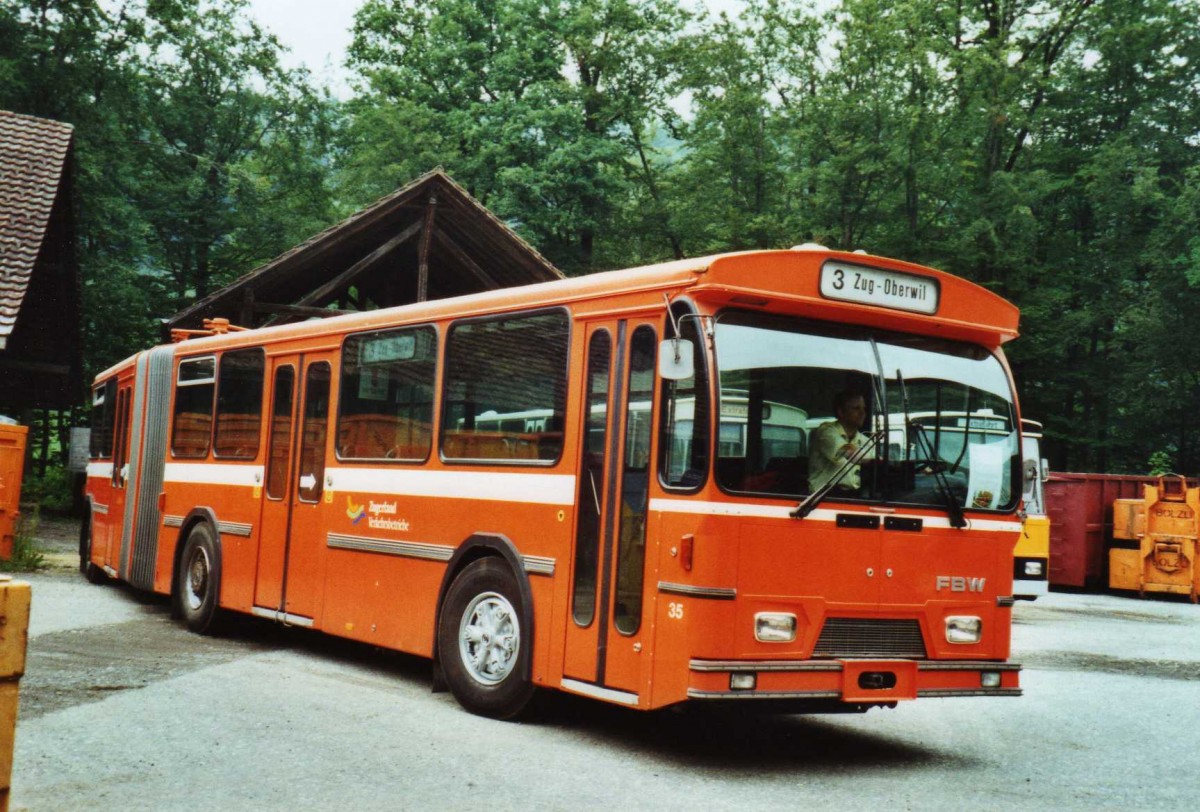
[292, 541]
[276, 501]
[304, 567]
[605, 621]
[122, 445]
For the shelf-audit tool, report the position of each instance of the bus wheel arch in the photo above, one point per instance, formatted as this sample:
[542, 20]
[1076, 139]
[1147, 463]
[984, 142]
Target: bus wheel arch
[485, 579]
[197, 547]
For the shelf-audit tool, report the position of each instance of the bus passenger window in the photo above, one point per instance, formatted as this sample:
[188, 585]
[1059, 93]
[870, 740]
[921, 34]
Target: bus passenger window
[192, 423]
[239, 404]
[684, 419]
[591, 479]
[104, 401]
[631, 552]
[386, 407]
[505, 390]
[281, 432]
[313, 430]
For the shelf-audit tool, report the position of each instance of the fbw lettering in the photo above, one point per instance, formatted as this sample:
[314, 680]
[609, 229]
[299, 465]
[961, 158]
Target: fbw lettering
[957, 583]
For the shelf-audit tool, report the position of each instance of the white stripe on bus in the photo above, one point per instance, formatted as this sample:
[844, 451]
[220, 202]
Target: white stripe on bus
[527, 488]
[212, 473]
[819, 515]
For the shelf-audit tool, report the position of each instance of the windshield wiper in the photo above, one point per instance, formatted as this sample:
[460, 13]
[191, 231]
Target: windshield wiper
[813, 499]
[953, 508]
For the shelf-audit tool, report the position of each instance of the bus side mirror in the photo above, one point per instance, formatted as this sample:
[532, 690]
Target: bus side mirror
[1045, 470]
[1031, 476]
[675, 359]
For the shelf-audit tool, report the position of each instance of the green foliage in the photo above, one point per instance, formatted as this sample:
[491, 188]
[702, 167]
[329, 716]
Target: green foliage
[1160, 463]
[538, 109]
[52, 492]
[1048, 151]
[197, 155]
[26, 557]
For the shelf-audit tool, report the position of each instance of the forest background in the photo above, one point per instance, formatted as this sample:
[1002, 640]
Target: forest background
[1048, 150]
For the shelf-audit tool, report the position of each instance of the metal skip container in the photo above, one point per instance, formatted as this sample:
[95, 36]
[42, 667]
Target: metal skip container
[12, 468]
[1155, 540]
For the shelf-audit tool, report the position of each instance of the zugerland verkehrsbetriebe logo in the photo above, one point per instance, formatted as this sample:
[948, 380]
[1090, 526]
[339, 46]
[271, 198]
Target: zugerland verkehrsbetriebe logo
[380, 515]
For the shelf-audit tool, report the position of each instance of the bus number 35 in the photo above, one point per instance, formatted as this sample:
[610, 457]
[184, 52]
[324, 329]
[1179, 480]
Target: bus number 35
[675, 610]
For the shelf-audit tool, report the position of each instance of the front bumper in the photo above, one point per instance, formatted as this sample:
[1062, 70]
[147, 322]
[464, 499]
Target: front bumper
[853, 681]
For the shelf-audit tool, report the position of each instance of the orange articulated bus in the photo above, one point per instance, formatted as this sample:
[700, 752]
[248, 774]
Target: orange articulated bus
[598, 485]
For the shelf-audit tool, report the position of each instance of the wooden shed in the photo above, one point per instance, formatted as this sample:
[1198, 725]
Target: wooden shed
[429, 240]
[40, 326]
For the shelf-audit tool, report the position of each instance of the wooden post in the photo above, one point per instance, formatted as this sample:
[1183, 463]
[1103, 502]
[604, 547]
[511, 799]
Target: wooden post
[14, 637]
[423, 252]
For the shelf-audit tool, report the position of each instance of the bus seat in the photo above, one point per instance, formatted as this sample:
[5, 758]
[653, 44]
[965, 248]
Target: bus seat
[791, 473]
[731, 471]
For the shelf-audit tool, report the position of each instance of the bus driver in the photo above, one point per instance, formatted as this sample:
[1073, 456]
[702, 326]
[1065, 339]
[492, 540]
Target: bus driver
[835, 442]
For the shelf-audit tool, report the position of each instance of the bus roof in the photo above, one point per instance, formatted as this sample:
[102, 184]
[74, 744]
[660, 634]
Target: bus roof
[777, 281]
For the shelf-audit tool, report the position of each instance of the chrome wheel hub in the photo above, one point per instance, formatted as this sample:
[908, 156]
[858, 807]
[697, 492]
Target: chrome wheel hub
[489, 638]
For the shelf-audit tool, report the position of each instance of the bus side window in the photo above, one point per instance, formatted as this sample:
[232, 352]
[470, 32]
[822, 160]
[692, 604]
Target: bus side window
[104, 404]
[239, 404]
[505, 389]
[386, 406]
[191, 425]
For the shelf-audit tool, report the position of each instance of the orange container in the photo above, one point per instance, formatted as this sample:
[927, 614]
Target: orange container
[12, 468]
[1155, 540]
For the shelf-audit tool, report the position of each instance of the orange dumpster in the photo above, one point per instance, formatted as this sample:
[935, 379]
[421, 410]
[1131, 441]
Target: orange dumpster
[12, 467]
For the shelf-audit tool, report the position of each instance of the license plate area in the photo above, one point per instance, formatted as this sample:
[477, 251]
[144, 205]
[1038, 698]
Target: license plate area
[878, 680]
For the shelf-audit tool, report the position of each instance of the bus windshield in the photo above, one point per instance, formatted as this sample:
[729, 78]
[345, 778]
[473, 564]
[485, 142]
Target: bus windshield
[937, 419]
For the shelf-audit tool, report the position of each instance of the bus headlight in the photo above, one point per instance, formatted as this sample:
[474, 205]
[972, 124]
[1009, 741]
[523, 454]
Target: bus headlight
[963, 629]
[1033, 568]
[775, 627]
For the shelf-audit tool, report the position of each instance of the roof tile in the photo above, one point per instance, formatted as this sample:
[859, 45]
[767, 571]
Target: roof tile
[33, 153]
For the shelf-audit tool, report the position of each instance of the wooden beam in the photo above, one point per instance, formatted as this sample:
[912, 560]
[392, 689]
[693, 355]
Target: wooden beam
[297, 310]
[423, 256]
[34, 366]
[247, 316]
[346, 276]
[470, 264]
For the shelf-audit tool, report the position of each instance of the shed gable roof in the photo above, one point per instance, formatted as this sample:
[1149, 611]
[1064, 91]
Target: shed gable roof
[428, 240]
[33, 155]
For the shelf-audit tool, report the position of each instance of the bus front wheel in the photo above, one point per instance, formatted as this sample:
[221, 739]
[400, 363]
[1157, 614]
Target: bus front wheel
[199, 581]
[480, 641]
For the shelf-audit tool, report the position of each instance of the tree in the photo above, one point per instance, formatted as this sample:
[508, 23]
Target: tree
[537, 108]
[231, 142]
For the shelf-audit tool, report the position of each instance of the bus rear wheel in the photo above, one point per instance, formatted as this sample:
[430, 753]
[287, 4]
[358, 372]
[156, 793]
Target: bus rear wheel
[480, 641]
[198, 581]
[90, 571]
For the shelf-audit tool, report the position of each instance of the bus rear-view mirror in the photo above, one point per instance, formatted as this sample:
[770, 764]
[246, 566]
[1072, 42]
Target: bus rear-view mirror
[675, 359]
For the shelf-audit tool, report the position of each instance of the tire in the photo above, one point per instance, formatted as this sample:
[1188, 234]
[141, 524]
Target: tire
[87, 569]
[198, 581]
[483, 646]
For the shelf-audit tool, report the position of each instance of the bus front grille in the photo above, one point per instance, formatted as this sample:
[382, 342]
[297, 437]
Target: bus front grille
[855, 637]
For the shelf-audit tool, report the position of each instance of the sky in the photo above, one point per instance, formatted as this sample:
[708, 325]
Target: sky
[317, 32]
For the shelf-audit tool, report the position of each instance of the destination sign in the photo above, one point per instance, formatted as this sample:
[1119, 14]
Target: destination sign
[875, 286]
